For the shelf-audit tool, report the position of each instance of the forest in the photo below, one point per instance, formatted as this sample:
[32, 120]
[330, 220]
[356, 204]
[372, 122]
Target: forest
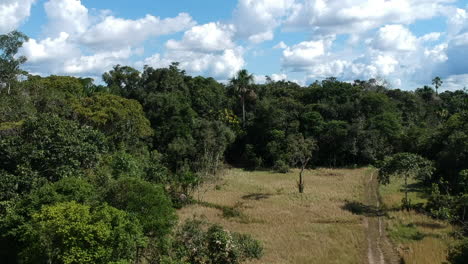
[94, 172]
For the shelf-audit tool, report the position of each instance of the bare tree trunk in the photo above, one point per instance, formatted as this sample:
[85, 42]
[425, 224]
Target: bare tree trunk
[301, 181]
[9, 88]
[300, 184]
[406, 193]
[243, 110]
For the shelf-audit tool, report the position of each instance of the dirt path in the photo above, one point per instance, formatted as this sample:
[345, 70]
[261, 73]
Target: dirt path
[380, 250]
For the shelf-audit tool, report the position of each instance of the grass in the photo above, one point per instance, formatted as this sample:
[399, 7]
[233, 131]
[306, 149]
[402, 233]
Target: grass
[313, 227]
[418, 238]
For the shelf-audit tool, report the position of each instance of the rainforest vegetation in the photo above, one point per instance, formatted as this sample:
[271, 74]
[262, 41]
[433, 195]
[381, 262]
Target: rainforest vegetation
[93, 172]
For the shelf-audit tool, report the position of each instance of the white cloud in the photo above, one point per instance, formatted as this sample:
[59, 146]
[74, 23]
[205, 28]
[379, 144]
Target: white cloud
[276, 77]
[305, 53]
[115, 32]
[218, 65]
[66, 16]
[394, 38]
[280, 45]
[96, 63]
[430, 37]
[81, 44]
[354, 16]
[257, 19]
[455, 82]
[13, 13]
[206, 38]
[49, 49]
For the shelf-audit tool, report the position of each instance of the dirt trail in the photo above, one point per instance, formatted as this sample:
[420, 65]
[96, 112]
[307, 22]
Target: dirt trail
[380, 250]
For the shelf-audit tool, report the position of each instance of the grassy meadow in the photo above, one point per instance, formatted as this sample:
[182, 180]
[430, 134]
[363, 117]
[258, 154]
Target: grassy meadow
[293, 228]
[418, 238]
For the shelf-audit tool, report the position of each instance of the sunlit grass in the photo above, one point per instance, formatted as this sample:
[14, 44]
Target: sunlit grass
[418, 237]
[294, 228]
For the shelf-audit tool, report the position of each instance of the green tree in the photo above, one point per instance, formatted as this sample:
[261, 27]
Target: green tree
[406, 165]
[241, 83]
[147, 201]
[121, 119]
[301, 150]
[9, 63]
[74, 233]
[437, 82]
[48, 148]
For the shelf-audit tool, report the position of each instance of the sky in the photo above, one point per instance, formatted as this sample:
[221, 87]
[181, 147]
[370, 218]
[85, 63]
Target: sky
[403, 42]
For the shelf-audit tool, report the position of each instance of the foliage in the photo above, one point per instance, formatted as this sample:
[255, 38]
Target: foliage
[73, 233]
[49, 148]
[215, 245]
[458, 254]
[149, 203]
[122, 120]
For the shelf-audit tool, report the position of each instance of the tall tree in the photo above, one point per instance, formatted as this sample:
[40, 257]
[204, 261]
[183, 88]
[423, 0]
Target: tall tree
[9, 64]
[437, 82]
[241, 83]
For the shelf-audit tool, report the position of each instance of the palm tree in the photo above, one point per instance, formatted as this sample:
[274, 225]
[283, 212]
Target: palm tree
[241, 83]
[437, 82]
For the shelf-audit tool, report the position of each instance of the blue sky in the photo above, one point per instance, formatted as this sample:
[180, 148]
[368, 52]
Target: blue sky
[404, 42]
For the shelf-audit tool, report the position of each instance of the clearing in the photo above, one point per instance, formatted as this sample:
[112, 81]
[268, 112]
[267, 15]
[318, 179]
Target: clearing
[329, 223]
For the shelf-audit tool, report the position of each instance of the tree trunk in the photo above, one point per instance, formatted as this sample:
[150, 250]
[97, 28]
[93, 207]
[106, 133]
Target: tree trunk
[406, 193]
[300, 184]
[8, 88]
[243, 110]
[301, 181]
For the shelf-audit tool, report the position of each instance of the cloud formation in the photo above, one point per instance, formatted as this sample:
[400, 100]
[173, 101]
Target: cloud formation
[309, 39]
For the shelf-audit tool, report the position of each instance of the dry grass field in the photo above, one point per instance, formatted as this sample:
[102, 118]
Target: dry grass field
[293, 228]
[418, 238]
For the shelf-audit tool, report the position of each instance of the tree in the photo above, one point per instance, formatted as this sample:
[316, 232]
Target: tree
[301, 149]
[437, 82]
[406, 165]
[48, 148]
[74, 233]
[123, 80]
[241, 83]
[147, 201]
[121, 119]
[9, 63]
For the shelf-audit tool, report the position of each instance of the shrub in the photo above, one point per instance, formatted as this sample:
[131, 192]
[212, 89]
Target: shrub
[281, 166]
[458, 254]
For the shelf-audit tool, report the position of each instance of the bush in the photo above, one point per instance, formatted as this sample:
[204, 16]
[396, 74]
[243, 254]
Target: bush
[216, 245]
[458, 254]
[281, 166]
[248, 247]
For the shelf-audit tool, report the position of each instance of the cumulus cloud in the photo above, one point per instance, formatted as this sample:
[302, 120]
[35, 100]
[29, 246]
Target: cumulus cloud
[68, 16]
[221, 65]
[395, 38]
[13, 13]
[354, 16]
[206, 38]
[115, 32]
[96, 63]
[256, 20]
[79, 43]
[49, 49]
[304, 54]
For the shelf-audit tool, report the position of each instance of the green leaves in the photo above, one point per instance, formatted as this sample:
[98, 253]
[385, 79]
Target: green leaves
[405, 165]
[73, 233]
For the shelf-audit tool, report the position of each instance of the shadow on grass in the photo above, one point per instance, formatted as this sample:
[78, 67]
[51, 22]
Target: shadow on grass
[256, 196]
[228, 211]
[359, 208]
[430, 225]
